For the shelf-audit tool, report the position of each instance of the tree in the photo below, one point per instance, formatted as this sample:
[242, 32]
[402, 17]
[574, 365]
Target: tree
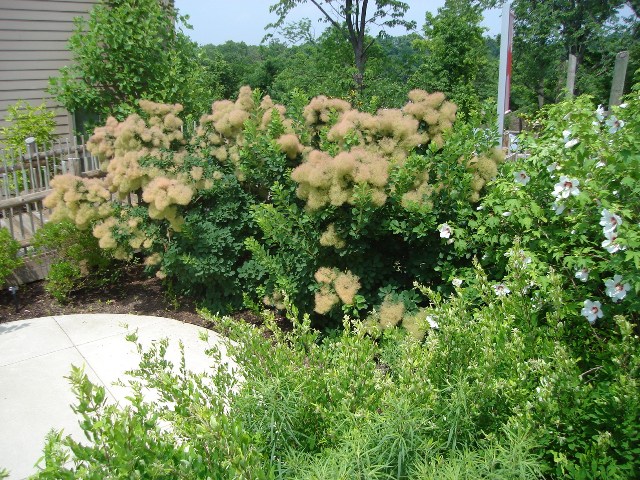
[456, 53]
[352, 18]
[546, 32]
[129, 50]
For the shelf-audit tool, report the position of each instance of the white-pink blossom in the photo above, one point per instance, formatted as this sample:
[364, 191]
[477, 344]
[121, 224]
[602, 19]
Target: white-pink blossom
[614, 124]
[616, 289]
[611, 244]
[609, 221]
[558, 207]
[566, 187]
[521, 177]
[501, 290]
[592, 311]
[582, 274]
[445, 231]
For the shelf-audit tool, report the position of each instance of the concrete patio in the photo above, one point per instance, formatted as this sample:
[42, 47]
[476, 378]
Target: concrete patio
[36, 355]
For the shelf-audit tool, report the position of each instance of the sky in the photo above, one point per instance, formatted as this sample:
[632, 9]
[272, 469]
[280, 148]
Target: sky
[216, 21]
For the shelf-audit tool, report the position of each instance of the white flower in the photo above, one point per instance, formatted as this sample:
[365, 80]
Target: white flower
[616, 289]
[456, 282]
[501, 290]
[566, 134]
[609, 221]
[611, 244]
[521, 177]
[553, 167]
[445, 231]
[506, 214]
[571, 143]
[601, 164]
[582, 274]
[558, 208]
[623, 105]
[600, 113]
[481, 207]
[566, 187]
[592, 311]
[614, 124]
[432, 322]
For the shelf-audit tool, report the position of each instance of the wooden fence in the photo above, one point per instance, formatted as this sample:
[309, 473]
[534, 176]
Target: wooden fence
[25, 182]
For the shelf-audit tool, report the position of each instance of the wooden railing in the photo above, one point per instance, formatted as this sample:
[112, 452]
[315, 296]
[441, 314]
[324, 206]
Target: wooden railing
[25, 181]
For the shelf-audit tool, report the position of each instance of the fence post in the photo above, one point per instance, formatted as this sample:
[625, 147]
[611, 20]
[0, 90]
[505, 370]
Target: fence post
[619, 74]
[73, 165]
[571, 74]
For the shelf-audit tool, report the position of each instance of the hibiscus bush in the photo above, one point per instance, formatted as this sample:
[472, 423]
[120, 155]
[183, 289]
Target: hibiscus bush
[573, 201]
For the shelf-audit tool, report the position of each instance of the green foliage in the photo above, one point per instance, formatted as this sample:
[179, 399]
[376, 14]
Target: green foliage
[79, 260]
[575, 143]
[26, 121]
[495, 390]
[131, 50]
[206, 260]
[457, 56]
[9, 259]
[547, 32]
[352, 22]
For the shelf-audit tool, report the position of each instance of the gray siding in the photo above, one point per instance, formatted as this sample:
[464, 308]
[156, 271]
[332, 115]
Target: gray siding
[33, 39]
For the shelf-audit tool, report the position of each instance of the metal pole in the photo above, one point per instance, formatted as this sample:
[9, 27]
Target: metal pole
[505, 65]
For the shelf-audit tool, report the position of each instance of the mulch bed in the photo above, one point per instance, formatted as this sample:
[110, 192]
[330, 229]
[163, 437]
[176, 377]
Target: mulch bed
[133, 294]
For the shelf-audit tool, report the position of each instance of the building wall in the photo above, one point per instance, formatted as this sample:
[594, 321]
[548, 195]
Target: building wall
[33, 40]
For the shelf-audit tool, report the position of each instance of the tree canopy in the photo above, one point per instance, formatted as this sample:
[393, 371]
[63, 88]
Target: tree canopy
[131, 50]
[352, 18]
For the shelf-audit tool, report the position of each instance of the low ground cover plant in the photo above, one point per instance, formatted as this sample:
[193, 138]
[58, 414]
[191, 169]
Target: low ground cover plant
[78, 262]
[9, 259]
[492, 390]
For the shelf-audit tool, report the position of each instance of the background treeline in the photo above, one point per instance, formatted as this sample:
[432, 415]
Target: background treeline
[450, 52]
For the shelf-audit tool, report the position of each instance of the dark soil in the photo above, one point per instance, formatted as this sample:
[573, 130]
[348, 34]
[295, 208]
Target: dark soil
[133, 294]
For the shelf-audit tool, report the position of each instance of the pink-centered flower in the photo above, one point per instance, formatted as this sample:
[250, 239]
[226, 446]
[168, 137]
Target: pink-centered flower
[616, 289]
[614, 124]
[592, 311]
[609, 221]
[566, 187]
[501, 290]
[582, 275]
[521, 177]
[611, 244]
[445, 231]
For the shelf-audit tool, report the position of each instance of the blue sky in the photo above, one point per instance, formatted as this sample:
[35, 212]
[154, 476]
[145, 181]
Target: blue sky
[216, 21]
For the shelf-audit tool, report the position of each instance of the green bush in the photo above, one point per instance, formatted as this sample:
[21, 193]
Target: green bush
[26, 121]
[79, 261]
[9, 259]
[573, 202]
[493, 391]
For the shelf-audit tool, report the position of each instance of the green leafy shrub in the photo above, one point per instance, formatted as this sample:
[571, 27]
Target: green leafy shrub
[9, 259]
[79, 261]
[326, 187]
[494, 390]
[26, 121]
[573, 204]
